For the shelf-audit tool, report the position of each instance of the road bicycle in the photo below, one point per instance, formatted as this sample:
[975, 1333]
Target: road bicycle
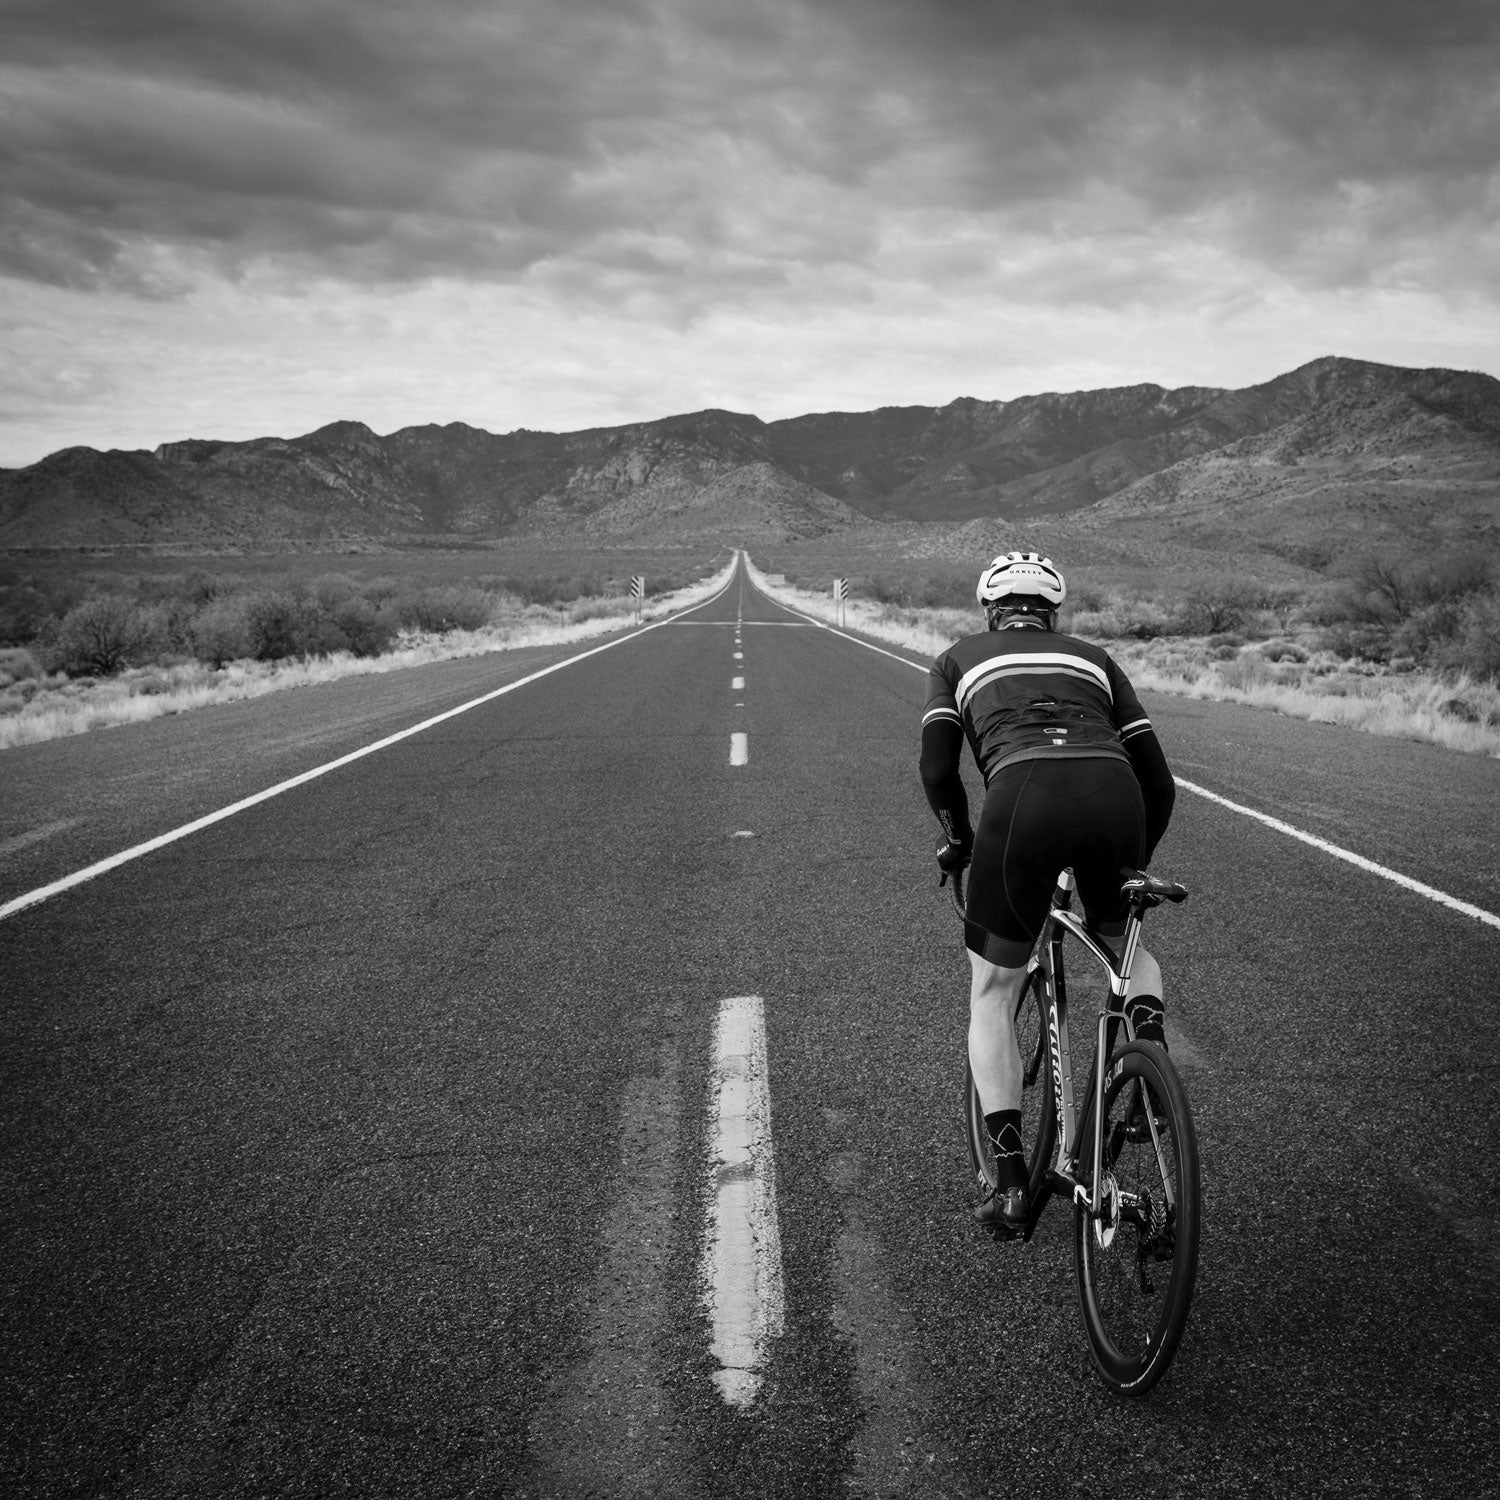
[1130, 1167]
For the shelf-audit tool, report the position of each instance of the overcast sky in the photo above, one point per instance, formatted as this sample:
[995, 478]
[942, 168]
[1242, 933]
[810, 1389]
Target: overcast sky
[228, 218]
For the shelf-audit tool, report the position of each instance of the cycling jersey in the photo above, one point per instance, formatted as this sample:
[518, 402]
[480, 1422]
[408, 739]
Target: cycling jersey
[1023, 694]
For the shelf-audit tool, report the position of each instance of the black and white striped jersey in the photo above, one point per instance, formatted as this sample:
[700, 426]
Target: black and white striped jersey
[1026, 694]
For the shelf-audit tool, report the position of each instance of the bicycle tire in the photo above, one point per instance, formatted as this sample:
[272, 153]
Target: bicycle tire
[1136, 1268]
[1038, 1112]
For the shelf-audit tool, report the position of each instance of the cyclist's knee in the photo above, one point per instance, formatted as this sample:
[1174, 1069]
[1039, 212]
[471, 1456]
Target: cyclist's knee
[993, 984]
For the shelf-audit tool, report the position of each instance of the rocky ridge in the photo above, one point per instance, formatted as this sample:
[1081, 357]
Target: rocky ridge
[1333, 447]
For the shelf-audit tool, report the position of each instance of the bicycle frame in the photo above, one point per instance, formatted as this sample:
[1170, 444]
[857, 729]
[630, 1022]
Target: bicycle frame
[1047, 957]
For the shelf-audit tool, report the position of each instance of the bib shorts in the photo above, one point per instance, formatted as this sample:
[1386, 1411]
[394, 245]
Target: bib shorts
[1040, 817]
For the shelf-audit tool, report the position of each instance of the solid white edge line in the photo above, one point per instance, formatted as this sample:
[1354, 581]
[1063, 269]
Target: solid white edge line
[125, 856]
[1358, 860]
[1478, 913]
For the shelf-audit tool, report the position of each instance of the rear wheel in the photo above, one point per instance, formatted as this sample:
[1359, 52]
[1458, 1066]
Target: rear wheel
[1137, 1262]
[1038, 1114]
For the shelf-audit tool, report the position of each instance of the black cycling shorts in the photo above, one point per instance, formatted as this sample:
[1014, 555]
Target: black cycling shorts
[1041, 817]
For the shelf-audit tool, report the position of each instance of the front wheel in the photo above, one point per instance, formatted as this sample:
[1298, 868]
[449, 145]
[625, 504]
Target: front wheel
[1137, 1261]
[1038, 1113]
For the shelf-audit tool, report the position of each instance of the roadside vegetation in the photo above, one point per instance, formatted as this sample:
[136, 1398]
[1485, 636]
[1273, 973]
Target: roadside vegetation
[87, 650]
[1389, 645]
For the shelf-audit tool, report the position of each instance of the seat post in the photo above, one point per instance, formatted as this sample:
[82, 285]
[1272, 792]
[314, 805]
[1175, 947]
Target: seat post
[1120, 986]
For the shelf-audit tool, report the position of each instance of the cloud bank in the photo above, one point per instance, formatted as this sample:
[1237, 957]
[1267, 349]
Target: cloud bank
[672, 164]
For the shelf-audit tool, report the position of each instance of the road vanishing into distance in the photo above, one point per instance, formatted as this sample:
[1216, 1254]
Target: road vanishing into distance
[360, 1143]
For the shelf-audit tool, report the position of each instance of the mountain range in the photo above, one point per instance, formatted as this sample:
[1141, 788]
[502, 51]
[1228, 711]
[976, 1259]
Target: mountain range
[1298, 467]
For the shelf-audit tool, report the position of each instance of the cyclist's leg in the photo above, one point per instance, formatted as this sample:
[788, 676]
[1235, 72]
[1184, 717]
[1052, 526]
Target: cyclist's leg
[993, 1054]
[1116, 821]
[1143, 998]
[1007, 901]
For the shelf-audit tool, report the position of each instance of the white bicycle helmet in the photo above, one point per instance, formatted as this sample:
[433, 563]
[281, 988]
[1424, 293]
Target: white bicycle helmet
[1021, 578]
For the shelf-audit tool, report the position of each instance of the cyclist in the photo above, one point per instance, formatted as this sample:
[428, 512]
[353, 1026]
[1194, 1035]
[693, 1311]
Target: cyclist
[1074, 778]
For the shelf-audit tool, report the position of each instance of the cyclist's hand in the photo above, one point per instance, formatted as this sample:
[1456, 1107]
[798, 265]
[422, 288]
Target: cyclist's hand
[953, 855]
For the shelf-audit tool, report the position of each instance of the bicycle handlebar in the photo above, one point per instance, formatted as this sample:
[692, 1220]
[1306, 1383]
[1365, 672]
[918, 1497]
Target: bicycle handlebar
[954, 880]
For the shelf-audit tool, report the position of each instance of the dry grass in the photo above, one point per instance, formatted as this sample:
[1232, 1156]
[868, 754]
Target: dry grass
[39, 707]
[1458, 713]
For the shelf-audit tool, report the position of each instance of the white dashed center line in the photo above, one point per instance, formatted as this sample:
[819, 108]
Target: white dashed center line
[739, 748]
[741, 1267]
[737, 684]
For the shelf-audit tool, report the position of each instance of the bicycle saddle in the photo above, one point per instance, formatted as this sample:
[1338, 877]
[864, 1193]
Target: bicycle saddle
[1149, 890]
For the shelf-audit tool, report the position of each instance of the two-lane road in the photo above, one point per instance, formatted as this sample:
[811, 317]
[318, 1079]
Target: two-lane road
[360, 1142]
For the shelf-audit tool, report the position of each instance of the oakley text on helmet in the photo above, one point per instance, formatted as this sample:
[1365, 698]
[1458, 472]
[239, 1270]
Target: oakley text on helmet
[1021, 577]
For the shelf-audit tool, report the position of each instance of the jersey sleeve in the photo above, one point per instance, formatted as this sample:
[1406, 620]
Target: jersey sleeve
[942, 702]
[1130, 718]
[942, 746]
[1147, 759]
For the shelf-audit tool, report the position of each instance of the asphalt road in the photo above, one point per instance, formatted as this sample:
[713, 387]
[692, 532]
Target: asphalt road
[357, 1144]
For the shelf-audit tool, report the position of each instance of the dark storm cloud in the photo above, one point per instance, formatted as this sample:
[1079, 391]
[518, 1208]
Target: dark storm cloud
[693, 149]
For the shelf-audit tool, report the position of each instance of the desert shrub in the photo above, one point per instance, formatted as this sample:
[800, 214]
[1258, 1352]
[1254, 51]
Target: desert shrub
[357, 625]
[909, 590]
[105, 634]
[1245, 672]
[30, 609]
[18, 665]
[1283, 602]
[1425, 631]
[1283, 651]
[598, 609]
[1474, 647]
[200, 588]
[1357, 642]
[557, 588]
[1214, 606]
[220, 631]
[283, 623]
[332, 589]
[1325, 606]
[1260, 624]
[1399, 607]
[1465, 710]
[1134, 619]
[444, 608]
[382, 589]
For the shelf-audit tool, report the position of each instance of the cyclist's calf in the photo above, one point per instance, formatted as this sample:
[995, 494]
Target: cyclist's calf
[1143, 999]
[993, 1055]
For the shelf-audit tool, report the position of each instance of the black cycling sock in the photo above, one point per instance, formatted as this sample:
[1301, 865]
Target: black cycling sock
[1004, 1127]
[1146, 1016]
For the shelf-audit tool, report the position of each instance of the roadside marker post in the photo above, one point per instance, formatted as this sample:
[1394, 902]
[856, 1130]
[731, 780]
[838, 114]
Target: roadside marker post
[638, 593]
[840, 594]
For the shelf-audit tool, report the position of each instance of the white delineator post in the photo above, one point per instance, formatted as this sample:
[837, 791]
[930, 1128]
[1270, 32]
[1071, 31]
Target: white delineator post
[741, 1270]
